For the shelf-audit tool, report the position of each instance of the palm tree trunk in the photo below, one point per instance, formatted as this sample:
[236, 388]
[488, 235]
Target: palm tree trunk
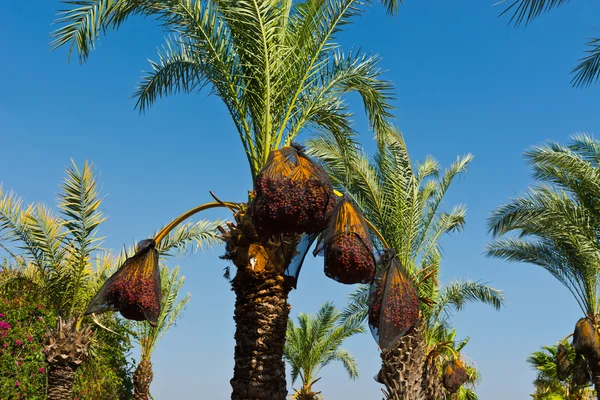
[261, 316]
[142, 378]
[60, 382]
[261, 310]
[404, 370]
[66, 349]
[594, 364]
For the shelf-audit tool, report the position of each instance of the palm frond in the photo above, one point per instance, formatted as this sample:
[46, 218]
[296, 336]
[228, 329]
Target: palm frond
[457, 294]
[587, 72]
[14, 224]
[315, 342]
[524, 11]
[171, 311]
[197, 234]
[82, 24]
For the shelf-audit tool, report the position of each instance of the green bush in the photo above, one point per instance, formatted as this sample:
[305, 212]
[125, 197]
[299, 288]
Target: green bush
[22, 329]
[23, 324]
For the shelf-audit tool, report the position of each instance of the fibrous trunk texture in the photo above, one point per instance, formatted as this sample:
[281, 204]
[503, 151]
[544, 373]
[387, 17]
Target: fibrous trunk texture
[142, 378]
[60, 382]
[66, 348]
[594, 365]
[261, 316]
[261, 310]
[407, 372]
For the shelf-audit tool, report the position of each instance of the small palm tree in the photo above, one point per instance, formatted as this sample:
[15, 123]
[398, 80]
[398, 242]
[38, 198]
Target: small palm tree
[557, 225]
[61, 259]
[403, 204]
[587, 72]
[278, 70]
[314, 344]
[149, 336]
[547, 383]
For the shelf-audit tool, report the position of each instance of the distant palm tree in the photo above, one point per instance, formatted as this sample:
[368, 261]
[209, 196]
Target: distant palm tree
[60, 258]
[587, 72]
[315, 343]
[446, 343]
[403, 203]
[278, 70]
[548, 386]
[149, 336]
[556, 226]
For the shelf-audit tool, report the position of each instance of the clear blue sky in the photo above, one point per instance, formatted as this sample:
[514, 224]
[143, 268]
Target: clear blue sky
[465, 83]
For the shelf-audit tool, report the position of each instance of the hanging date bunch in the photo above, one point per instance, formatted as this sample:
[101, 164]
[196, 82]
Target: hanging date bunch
[292, 194]
[347, 246]
[455, 375]
[134, 290]
[563, 362]
[586, 339]
[394, 302]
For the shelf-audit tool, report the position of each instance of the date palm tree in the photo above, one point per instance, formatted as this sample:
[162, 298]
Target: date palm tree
[314, 344]
[587, 72]
[63, 262]
[402, 202]
[547, 383]
[277, 68]
[556, 224]
[149, 336]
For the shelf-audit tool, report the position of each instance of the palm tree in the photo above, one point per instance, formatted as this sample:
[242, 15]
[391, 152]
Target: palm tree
[587, 72]
[149, 336]
[314, 344]
[402, 203]
[65, 265]
[557, 224]
[278, 70]
[547, 383]
[447, 346]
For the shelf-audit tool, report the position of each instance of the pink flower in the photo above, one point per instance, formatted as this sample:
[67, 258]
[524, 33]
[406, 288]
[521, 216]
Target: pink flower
[19, 362]
[17, 383]
[30, 338]
[2, 315]
[4, 325]
[18, 342]
[41, 370]
[39, 306]
[5, 345]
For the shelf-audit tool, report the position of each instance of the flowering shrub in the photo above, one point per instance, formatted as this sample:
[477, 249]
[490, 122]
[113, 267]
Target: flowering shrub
[22, 364]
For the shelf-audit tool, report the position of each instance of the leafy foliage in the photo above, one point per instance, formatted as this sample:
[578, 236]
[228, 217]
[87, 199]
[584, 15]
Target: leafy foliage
[587, 72]
[149, 336]
[274, 64]
[58, 261]
[315, 342]
[22, 329]
[547, 384]
[557, 222]
[403, 202]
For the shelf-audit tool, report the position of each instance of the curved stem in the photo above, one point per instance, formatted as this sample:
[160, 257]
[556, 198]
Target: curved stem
[377, 233]
[566, 338]
[451, 351]
[167, 229]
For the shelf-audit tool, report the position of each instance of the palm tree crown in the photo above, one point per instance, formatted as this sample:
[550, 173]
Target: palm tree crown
[557, 222]
[316, 342]
[274, 64]
[403, 203]
[548, 385]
